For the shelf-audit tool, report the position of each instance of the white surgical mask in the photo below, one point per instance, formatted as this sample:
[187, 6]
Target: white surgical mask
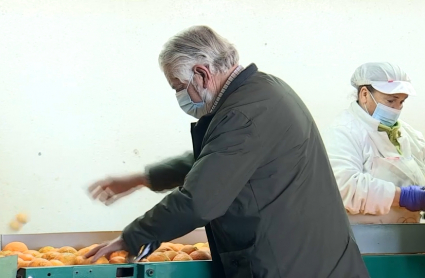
[386, 115]
[195, 109]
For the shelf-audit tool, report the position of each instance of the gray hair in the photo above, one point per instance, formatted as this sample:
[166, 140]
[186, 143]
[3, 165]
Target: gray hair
[197, 45]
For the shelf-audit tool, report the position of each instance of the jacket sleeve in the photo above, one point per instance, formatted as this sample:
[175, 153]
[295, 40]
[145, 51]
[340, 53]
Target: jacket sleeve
[417, 139]
[361, 193]
[420, 142]
[230, 156]
[170, 173]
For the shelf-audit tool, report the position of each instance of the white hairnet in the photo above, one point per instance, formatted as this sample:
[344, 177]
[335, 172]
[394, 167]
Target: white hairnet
[384, 77]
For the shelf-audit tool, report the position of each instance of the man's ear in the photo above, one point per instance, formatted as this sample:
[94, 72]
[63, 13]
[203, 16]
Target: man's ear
[202, 72]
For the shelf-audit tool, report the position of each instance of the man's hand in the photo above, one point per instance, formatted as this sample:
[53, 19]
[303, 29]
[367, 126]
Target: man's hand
[110, 190]
[106, 249]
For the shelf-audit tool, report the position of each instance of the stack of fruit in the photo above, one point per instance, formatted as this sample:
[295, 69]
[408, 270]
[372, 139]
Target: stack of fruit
[178, 252]
[50, 256]
[66, 255]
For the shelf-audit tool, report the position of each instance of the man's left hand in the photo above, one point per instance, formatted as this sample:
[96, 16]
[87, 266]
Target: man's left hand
[106, 249]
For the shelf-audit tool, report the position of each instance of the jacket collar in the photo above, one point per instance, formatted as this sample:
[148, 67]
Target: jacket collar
[371, 124]
[235, 84]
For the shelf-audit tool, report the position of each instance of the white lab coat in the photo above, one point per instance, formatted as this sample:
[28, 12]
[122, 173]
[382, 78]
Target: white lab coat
[368, 167]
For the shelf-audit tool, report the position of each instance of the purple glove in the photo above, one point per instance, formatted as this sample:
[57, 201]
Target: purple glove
[412, 197]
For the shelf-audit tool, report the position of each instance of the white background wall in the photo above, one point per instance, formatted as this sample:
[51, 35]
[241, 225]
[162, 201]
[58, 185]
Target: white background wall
[82, 97]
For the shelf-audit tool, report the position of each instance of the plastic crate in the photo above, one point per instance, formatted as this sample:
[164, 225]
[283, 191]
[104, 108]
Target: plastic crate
[82, 271]
[379, 266]
[8, 267]
[395, 266]
[198, 269]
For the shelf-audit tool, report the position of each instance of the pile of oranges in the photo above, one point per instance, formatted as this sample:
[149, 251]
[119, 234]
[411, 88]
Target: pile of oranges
[178, 252]
[66, 255]
[50, 256]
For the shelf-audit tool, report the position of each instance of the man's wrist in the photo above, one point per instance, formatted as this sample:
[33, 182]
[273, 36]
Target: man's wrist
[142, 181]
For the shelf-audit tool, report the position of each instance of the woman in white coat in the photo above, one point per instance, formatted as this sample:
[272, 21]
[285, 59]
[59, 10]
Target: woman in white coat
[378, 160]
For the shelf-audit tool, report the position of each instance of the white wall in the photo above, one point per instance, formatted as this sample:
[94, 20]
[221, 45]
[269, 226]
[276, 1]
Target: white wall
[81, 94]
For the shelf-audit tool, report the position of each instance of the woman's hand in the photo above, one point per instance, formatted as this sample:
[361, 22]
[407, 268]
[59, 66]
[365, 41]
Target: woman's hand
[412, 197]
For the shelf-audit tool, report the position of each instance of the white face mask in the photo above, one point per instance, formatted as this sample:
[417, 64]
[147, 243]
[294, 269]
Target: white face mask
[195, 109]
[386, 115]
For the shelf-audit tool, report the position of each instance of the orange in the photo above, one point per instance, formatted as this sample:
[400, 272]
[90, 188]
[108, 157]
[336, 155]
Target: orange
[164, 244]
[170, 254]
[173, 246]
[205, 249]
[83, 251]
[5, 253]
[9, 253]
[16, 246]
[199, 255]
[158, 257]
[80, 260]
[67, 249]
[56, 263]
[199, 245]
[46, 249]
[164, 248]
[102, 260]
[15, 225]
[22, 263]
[177, 246]
[121, 253]
[31, 252]
[22, 218]
[182, 256]
[26, 257]
[50, 255]
[39, 262]
[188, 249]
[66, 258]
[117, 260]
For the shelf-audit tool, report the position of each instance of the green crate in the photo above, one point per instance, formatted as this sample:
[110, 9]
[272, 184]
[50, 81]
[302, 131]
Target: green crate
[379, 266]
[82, 271]
[8, 267]
[395, 266]
[198, 269]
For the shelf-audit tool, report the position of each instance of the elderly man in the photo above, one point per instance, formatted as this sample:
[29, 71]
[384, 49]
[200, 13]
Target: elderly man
[258, 178]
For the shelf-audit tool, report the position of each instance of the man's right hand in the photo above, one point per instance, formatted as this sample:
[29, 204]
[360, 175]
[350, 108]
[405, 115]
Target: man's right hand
[110, 190]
